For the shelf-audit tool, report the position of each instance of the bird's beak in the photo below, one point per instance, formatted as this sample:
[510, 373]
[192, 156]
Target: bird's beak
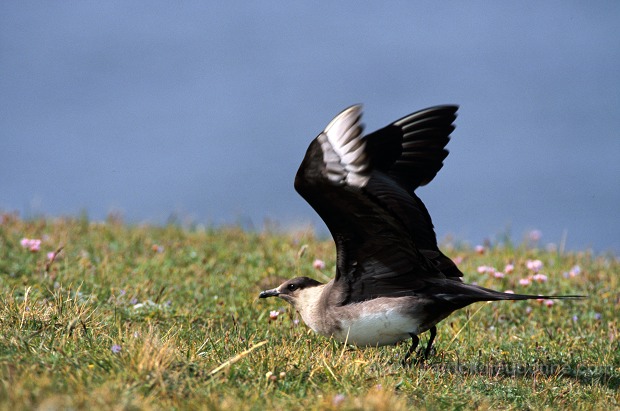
[269, 293]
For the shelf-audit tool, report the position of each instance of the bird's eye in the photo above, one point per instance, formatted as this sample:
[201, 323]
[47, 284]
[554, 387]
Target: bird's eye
[292, 287]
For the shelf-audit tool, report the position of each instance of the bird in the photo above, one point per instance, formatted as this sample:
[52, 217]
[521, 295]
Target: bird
[392, 282]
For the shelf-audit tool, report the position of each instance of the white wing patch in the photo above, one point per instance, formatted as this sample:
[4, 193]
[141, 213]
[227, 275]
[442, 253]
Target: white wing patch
[344, 153]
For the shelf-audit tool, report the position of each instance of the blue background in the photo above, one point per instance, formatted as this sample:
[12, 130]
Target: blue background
[204, 110]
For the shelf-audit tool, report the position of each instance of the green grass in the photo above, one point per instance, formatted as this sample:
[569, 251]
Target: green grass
[181, 303]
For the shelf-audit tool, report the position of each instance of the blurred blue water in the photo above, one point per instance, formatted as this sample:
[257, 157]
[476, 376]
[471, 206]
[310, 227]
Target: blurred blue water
[204, 110]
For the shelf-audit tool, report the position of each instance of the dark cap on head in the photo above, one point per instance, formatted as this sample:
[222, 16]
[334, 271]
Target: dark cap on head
[290, 286]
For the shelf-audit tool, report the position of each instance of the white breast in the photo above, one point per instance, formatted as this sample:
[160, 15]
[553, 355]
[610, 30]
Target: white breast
[383, 327]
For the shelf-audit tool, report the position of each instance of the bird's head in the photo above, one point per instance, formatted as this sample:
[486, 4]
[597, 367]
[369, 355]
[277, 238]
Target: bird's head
[292, 290]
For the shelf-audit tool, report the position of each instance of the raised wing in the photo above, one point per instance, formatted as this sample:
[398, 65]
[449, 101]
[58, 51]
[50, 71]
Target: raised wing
[411, 151]
[365, 209]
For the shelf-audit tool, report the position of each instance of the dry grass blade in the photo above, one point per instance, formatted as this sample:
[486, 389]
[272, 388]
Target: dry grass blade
[236, 358]
[466, 323]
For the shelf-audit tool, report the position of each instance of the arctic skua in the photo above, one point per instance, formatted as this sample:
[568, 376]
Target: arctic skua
[392, 282]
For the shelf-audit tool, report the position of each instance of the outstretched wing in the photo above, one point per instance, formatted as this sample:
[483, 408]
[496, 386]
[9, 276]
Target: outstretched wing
[364, 208]
[411, 151]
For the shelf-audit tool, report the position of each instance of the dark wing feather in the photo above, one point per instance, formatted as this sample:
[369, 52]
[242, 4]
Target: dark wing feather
[411, 151]
[362, 208]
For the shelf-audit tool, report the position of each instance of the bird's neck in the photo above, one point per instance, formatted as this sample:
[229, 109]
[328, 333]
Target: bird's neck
[310, 305]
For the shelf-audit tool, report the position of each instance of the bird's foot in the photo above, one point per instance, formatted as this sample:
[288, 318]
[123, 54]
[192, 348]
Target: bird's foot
[426, 354]
[420, 357]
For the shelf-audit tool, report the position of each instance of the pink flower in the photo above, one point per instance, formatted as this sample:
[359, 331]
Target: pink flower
[575, 271]
[480, 249]
[534, 235]
[509, 268]
[318, 264]
[51, 255]
[498, 274]
[541, 278]
[33, 244]
[525, 281]
[486, 269]
[549, 303]
[273, 315]
[534, 265]
[338, 399]
[458, 259]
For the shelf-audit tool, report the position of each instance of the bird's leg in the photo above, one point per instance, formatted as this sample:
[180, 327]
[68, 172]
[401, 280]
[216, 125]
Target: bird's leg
[429, 346]
[414, 344]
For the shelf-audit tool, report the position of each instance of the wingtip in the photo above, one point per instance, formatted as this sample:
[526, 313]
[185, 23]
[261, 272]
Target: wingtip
[444, 110]
[352, 111]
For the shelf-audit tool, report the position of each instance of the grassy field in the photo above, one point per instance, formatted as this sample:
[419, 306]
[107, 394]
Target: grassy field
[144, 317]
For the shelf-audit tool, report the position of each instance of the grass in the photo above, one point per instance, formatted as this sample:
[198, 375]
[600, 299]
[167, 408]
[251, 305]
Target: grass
[144, 317]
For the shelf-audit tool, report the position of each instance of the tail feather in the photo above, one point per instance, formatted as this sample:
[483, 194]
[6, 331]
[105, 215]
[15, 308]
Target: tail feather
[511, 296]
[465, 294]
